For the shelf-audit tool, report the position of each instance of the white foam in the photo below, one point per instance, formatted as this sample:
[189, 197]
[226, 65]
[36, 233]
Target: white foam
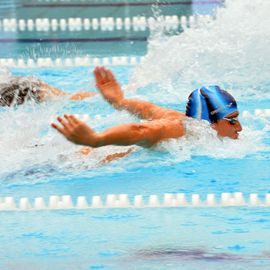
[196, 142]
[231, 51]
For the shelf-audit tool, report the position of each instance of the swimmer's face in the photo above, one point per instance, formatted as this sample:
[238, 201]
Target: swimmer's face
[229, 126]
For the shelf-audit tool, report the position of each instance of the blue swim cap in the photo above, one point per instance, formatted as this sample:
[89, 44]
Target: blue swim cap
[210, 103]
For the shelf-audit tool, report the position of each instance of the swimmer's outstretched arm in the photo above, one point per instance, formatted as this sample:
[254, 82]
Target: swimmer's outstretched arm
[50, 91]
[81, 95]
[143, 134]
[112, 92]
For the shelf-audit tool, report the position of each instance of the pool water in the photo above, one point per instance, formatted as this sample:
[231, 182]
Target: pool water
[137, 239]
[231, 51]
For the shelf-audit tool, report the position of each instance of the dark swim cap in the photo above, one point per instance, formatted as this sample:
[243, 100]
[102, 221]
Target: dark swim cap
[210, 103]
[16, 90]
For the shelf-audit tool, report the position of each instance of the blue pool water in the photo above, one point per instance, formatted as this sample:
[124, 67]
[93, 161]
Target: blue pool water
[137, 239]
[232, 52]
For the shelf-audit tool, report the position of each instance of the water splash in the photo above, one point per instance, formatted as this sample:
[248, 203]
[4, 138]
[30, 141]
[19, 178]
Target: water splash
[4, 73]
[26, 138]
[29, 125]
[196, 143]
[231, 51]
[31, 150]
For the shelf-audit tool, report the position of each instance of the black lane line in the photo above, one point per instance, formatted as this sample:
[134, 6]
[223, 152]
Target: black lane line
[70, 5]
[65, 40]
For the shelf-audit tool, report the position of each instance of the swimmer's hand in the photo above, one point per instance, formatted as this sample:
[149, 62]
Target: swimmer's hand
[108, 86]
[76, 131]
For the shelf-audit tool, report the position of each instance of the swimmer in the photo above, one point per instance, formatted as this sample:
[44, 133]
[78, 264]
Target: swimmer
[18, 89]
[211, 103]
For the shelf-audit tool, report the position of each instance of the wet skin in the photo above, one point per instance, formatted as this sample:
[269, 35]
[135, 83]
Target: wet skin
[226, 129]
[160, 123]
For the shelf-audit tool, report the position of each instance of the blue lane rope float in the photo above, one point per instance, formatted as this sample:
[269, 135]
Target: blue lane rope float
[168, 200]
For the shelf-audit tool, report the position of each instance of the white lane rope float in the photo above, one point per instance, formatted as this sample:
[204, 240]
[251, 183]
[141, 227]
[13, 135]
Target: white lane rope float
[71, 62]
[258, 113]
[137, 23]
[168, 200]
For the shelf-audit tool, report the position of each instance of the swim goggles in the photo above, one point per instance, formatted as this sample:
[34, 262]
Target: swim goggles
[232, 121]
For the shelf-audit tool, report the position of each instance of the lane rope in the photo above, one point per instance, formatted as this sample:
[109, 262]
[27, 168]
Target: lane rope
[257, 113]
[236, 199]
[71, 62]
[136, 23]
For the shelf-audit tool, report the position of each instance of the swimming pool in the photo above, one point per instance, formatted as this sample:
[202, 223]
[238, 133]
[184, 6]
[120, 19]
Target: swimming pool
[146, 238]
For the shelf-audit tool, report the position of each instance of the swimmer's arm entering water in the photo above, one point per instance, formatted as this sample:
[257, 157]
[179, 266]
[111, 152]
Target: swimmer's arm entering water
[112, 92]
[50, 91]
[143, 134]
[86, 151]
[81, 95]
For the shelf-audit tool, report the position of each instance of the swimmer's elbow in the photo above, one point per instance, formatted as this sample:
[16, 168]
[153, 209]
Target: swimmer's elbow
[146, 135]
[172, 115]
[160, 131]
[128, 134]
